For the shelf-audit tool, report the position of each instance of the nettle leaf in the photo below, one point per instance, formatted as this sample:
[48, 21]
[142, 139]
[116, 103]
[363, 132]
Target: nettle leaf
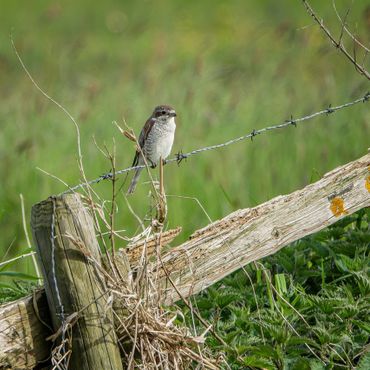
[309, 273]
[339, 246]
[317, 365]
[348, 311]
[360, 237]
[213, 293]
[238, 280]
[266, 351]
[300, 261]
[294, 364]
[364, 363]
[229, 337]
[363, 325]
[337, 231]
[243, 321]
[204, 303]
[277, 332]
[321, 250]
[248, 343]
[286, 262]
[294, 341]
[344, 222]
[322, 334]
[225, 299]
[363, 282]
[258, 362]
[326, 305]
[321, 236]
[347, 264]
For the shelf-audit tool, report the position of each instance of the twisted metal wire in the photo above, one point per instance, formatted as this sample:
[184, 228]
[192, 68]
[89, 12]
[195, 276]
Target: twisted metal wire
[180, 156]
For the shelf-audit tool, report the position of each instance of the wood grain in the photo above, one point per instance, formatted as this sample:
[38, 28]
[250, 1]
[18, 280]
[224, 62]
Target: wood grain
[253, 233]
[64, 235]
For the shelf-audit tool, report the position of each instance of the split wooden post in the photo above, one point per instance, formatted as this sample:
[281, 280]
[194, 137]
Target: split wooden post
[69, 256]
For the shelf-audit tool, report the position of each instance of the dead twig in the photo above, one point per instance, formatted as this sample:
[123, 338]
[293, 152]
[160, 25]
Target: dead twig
[349, 33]
[338, 44]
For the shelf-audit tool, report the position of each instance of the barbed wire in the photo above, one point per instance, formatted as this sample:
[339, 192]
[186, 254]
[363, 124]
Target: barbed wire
[180, 156]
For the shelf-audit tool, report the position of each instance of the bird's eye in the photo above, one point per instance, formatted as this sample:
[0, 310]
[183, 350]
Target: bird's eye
[163, 112]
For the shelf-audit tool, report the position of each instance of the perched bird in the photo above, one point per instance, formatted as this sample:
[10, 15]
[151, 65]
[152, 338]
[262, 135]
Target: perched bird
[155, 140]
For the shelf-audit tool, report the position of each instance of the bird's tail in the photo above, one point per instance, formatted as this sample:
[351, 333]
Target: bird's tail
[134, 180]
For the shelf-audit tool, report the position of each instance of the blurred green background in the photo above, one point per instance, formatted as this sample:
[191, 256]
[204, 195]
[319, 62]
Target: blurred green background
[227, 68]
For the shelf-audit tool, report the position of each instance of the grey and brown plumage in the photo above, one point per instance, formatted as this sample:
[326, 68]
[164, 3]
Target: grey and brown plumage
[155, 140]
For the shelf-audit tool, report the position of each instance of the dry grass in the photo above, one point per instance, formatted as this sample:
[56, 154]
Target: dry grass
[150, 335]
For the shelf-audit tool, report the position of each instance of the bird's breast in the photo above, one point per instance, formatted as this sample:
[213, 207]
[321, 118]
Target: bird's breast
[160, 141]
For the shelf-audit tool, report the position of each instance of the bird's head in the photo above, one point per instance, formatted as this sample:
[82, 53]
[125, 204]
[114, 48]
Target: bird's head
[163, 112]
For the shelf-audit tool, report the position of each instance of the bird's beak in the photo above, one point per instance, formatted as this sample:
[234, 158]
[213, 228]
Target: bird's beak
[173, 113]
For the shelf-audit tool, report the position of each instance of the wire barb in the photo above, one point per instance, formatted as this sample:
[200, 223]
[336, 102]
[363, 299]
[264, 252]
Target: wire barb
[106, 176]
[179, 157]
[292, 121]
[329, 110]
[253, 134]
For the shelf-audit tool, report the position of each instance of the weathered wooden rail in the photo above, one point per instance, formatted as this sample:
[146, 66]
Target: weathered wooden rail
[210, 254]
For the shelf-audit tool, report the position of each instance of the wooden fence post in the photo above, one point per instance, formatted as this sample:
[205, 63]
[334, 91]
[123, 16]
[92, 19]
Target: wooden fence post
[69, 256]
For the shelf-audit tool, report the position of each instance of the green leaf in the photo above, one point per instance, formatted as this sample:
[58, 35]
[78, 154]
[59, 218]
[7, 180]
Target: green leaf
[364, 363]
[286, 262]
[294, 341]
[6, 286]
[347, 264]
[204, 303]
[230, 336]
[363, 325]
[224, 300]
[18, 275]
[363, 282]
[280, 284]
[316, 365]
[300, 364]
[258, 362]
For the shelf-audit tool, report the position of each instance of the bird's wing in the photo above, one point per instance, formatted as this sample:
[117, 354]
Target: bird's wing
[142, 138]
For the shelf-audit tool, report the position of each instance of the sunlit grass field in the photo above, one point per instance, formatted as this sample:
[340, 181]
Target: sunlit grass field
[226, 67]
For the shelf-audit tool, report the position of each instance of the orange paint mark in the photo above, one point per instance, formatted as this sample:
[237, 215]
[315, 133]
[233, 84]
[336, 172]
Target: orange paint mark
[367, 183]
[337, 207]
